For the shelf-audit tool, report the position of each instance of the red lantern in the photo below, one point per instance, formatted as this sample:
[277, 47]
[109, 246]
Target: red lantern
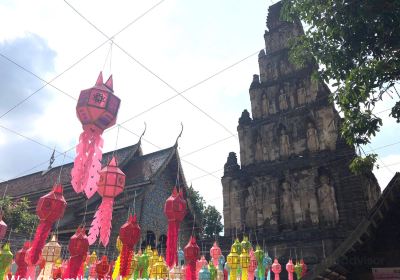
[78, 247]
[103, 268]
[22, 269]
[97, 110]
[276, 268]
[290, 269]
[3, 227]
[175, 210]
[191, 251]
[111, 184]
[129, 234]
[303, 268]
[50, 208]
[215, 253]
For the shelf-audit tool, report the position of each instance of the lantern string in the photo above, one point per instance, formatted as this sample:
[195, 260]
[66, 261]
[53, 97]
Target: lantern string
[109, 53]
[194, 222]
[116, 140]
[84, 214]
[275, 251]
[295, 253]
[9, 235]
[61, 169]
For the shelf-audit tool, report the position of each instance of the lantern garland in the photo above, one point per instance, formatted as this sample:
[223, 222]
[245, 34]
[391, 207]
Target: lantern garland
[6, 258]
[175, 211]
[78, 247]
[111, 184]
[97, 110]
[129, 235]
[191, 251]
[50, 208]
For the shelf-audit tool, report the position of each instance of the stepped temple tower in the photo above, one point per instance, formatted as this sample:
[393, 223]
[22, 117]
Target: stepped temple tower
[293, 187]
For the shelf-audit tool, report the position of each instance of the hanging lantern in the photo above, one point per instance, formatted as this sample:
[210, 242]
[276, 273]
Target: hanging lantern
[176, 273]
[213, 271]
[226, 271]
[220, 271]
[78, 247]
[22, 270]
[237, 245]
[57, 270]
[49, 209]
[204, 273]
[303, 268]
[129, 235]
[233, 260]
[133, 268]
[175, 210]
[51, 252]
[246, 244]
[92, 265]
[244, 263]
[259, 254]
[111, 184]
[253, 264]
[153, 258]
[199, 265]
[6, 258]
[215, 252]
[97, 110]
[103, 268]
[159, 270]
[3, 226]
[191, 251]
[290, 269]
[116, 271]
[181, 257]
[267, 262]
[298, 270]
[144, 261]
[276, 268]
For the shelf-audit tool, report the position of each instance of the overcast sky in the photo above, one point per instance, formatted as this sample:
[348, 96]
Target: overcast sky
[178, 43]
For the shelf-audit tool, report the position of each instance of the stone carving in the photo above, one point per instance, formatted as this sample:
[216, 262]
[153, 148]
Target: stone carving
[312, 138]
[327, 201]
[265, 105]
[284, 144]
[235, 215]
[251, 209]
[283, 102]
[286, 211]
[247, 146]
[259, 154]
[301, 95]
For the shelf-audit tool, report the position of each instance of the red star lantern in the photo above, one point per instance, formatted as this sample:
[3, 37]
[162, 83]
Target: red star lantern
[129, 234]
[192, 252]
[111, 184]
[175, 210]
[78, 248]
[50, 208]
[97, 110]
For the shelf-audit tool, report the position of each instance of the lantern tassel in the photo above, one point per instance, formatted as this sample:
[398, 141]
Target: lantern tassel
[74, 267]
[125, 261]
[191, 271]
[42, 232]
[101, 225]
[172, 241]
[117, 268]
[87, 164]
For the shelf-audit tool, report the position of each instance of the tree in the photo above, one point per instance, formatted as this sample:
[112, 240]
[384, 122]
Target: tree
[17, 216]
[357, 44]
[209, 217]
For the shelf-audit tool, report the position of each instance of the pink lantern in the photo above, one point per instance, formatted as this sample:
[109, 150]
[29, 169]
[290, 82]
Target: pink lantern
[97, 110]
[253, 264]
[3, 227]
[111, 184]
[290, 269]
[276, 268]
[199, 265]
[215, 253]
[191, 251]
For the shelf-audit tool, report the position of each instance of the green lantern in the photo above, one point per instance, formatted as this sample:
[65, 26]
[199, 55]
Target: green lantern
[6, 258]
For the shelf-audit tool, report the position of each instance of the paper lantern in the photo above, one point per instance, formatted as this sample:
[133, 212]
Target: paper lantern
[226, 271]
[49, 209]
[97, 110]
[129, 235]
[176, 273]
[57, 270]
[215, 252]
[276, 269]
[92, 264]
[6, 258]
[213, 271]
[220, 272]
[103, 268]
[244, 263]
[116, 270]
[259, 254]
[290, 269]
[22, 270]
[143, 263]
[303, 268]
[191, 251]
[298, 270]
[199, 265]
[233, 260]
[159, 270]
[51, 252]
[181, 257]
[246, 244]
[175, 211]
[133, 268]
[78, 247]
[253, 264]
[153, 257]
[267, 263]
[204, 273]
[111, 184]
[3, 227]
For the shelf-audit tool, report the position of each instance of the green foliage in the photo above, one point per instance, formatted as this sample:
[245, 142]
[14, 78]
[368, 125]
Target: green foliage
[207, 216]
[357, 45]
[17, 216]
[363, 165]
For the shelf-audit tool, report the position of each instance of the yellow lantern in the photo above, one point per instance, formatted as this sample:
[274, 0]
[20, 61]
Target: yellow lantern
[50, 253]
[159, 270]
[233, 260]
[153, 259]
[244, 263]
[115, 273]
[92, 265]
[246, 244]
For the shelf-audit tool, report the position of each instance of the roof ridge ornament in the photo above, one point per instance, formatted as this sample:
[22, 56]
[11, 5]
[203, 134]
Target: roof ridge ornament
[179, 136]
[144, 131]
[51, 161]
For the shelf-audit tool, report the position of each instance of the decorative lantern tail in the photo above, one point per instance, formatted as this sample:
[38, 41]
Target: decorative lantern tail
[101, 225]
[87, 162]
[125, 260]
[42, 232]
[74, 267]
[191, 271]
[172, 241]
[117, 268]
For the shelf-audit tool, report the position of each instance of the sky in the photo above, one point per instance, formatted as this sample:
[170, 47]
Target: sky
[178, 46]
